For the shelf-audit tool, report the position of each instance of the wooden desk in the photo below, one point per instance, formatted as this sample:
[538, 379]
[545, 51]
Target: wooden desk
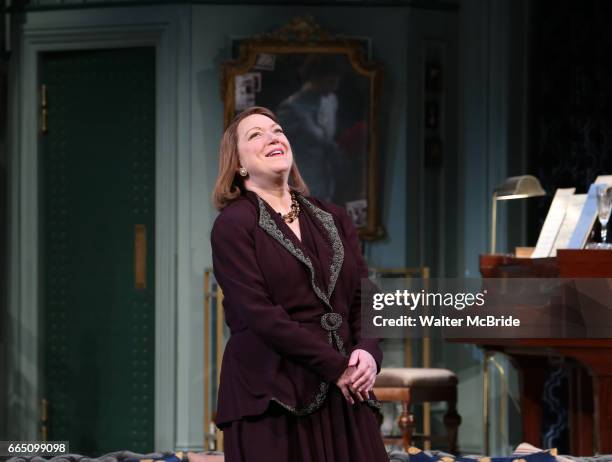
[591, 386]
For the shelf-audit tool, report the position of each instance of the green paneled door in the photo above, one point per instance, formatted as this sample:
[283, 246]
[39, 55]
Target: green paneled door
[98, 248]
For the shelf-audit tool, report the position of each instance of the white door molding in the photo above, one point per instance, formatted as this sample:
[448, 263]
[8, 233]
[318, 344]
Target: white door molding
[168, 30]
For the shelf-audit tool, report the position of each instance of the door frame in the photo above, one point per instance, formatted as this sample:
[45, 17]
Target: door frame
[169, 31]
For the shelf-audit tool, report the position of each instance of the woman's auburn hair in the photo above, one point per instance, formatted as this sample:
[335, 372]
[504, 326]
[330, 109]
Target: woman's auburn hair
[230, 185]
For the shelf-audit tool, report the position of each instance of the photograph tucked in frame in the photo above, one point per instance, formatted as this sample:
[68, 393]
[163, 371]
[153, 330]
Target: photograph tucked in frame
[325, 93]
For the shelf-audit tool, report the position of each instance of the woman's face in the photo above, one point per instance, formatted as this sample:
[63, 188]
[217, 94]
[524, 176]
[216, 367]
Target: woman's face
[263, 148]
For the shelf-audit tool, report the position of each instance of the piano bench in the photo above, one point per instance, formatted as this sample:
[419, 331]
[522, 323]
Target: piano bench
[415, 386]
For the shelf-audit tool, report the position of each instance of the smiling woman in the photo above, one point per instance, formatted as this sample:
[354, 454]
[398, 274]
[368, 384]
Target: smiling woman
[296, 377]
[232, 173]
[264, 151]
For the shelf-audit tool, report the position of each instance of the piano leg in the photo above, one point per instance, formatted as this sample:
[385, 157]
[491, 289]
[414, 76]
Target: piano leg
[581, 412]
[533, 375]
[599, 363]
[603, 413]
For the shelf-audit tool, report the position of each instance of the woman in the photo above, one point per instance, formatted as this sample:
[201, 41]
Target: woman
[296, 377]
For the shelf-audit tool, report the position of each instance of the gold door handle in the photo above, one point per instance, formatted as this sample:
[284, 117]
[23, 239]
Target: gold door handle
[44, 112]
[44, 419]
[140, 256]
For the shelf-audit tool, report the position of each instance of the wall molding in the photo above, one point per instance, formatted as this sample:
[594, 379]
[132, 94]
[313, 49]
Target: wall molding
[162, 28]
[440, 5]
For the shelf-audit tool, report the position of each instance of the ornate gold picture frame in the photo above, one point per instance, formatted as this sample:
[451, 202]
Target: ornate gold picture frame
[325, 93]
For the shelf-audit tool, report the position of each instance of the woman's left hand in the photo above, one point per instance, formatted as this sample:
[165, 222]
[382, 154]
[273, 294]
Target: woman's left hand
[364, 376]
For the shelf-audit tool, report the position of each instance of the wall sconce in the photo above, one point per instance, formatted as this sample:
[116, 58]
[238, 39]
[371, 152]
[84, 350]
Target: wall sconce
[515, 187]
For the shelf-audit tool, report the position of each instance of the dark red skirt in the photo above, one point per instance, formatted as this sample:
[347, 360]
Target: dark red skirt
[338, 432]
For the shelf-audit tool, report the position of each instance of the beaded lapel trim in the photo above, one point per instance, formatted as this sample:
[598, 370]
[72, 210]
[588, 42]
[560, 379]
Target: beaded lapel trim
[325, 218]
[268, 225]
[327, 221]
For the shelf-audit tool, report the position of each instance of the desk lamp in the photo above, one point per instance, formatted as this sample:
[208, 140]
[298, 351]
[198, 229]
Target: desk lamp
[515, 187]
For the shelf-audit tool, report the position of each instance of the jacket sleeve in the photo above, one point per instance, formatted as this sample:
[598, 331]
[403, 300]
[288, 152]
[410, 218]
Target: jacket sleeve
[371, 345]
[246, 296]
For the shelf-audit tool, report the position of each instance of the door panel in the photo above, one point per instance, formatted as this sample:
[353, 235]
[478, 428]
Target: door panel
[97, 189]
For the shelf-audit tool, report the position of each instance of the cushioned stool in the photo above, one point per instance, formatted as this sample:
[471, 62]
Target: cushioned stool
[419, 385]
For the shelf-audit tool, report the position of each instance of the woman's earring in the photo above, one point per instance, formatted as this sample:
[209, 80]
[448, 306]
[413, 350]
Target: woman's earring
[243, 171]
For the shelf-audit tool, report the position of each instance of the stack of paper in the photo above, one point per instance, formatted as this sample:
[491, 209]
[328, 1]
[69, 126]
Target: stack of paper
[553, 222]
[569, 220]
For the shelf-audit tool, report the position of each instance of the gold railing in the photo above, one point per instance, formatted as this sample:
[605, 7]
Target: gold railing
[214, 344]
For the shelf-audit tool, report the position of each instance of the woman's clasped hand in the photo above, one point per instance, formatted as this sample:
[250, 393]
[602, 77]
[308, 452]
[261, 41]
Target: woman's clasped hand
[358, 378]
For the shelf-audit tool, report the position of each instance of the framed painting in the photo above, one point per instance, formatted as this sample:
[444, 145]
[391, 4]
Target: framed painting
[325, 93]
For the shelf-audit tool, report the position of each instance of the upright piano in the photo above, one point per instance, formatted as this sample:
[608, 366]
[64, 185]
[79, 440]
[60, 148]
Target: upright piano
[589, 360]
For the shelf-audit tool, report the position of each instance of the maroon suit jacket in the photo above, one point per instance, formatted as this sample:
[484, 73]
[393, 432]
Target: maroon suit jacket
[293, 310]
